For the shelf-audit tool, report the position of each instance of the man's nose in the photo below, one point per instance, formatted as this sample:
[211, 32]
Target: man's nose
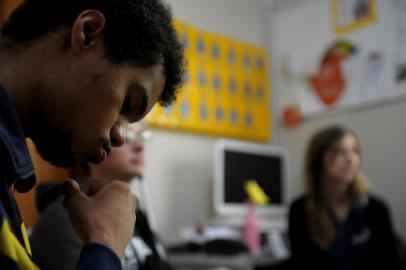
[117, 134]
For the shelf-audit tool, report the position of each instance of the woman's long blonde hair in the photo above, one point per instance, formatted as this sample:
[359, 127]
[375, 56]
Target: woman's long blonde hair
[319, 223]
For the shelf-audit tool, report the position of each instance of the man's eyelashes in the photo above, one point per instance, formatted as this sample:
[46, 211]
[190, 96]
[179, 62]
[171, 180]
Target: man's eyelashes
[126, 108]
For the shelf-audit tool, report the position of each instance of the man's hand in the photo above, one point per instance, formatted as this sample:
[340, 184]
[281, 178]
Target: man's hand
[104, 213]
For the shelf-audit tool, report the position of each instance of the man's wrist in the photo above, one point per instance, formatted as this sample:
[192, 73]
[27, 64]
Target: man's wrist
[104, 239]
[98, 256]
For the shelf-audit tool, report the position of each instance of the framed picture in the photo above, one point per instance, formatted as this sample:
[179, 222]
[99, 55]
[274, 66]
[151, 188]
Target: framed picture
[350, 15]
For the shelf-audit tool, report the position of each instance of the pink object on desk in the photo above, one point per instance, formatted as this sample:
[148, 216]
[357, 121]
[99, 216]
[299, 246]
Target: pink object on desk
[252, 230]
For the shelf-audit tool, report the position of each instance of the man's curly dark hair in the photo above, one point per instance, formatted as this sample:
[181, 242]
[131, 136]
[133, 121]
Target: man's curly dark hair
[137, 32]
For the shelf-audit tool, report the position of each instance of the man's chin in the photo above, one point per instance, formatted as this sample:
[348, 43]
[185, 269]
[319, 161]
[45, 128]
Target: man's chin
[60, 154]
[61, 162]
[97, 159]
[58, 159]
[55, 149]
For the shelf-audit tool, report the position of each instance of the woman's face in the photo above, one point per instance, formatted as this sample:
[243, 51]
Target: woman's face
[342, 161]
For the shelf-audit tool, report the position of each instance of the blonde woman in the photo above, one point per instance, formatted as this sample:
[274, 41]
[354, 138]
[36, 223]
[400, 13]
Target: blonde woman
[337, 223]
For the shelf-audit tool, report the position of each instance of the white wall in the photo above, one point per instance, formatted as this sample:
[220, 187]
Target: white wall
[302, 31]
[180, 165]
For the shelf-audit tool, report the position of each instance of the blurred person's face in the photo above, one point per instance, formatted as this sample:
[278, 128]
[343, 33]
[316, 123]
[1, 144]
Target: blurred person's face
[124, 162]
[342, 162]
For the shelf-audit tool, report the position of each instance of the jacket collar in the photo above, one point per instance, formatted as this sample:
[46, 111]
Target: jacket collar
[12, 140]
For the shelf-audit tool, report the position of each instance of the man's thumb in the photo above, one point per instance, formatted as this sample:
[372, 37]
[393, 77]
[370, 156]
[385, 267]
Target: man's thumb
[69, 189]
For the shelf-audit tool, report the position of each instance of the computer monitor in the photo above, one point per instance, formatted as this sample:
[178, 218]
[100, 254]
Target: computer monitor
[235, 162]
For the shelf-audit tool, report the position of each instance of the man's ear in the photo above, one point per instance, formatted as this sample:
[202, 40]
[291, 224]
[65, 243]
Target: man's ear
[87, 30]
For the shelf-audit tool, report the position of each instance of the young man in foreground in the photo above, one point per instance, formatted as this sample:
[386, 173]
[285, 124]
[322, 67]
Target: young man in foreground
[72, 75]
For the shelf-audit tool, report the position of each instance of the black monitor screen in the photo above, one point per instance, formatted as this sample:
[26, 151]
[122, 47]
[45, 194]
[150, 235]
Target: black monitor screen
[240, 167]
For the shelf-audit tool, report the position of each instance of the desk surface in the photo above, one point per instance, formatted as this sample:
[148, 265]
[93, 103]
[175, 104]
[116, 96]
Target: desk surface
[206, 261]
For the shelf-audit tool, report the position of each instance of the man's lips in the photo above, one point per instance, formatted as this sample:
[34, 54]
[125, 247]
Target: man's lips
[102, 156]
[107, 148]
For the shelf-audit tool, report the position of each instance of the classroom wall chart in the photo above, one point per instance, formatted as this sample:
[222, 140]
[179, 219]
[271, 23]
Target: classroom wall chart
[226, 91]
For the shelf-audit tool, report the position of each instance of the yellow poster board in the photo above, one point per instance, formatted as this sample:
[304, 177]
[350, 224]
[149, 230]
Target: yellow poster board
[226, 91]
